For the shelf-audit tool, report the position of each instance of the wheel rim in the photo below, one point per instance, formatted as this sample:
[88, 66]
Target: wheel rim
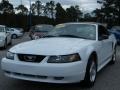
[14, 36]
[93, 72]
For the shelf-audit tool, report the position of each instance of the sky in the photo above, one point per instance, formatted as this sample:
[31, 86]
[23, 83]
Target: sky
[85, 5]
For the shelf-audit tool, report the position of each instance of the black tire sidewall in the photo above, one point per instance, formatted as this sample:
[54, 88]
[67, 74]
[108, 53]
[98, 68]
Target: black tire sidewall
[113, 61]
[10, 42]
[87, 80]
[5, 44]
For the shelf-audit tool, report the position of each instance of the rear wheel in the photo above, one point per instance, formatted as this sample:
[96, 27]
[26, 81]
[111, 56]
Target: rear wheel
[91, 72]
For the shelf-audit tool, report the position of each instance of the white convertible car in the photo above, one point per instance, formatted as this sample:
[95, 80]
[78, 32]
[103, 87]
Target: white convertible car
[70, 53]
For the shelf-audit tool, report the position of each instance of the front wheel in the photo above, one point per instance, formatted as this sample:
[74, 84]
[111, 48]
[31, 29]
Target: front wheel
[113, 60]
[91, 72]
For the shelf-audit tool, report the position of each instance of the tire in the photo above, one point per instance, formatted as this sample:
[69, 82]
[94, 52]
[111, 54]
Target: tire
[14, 36]
[91, 72]
[30, 37]
[5, 45]
[10, 42]
[113, 60]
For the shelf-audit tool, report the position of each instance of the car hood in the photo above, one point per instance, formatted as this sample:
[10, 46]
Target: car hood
[51, 46]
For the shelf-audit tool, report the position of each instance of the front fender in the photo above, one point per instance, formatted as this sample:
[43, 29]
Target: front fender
[85, 54]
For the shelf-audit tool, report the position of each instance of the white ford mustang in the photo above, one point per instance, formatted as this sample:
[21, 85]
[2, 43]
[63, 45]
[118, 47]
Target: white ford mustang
[70, 53]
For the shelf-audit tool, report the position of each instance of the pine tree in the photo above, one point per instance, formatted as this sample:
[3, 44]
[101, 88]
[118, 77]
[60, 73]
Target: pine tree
[109, 12]
[6, 7]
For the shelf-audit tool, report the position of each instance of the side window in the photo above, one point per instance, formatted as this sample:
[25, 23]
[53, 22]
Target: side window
[102, 33]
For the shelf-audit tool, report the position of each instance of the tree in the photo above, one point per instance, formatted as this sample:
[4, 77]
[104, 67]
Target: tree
[21, 9]
[61, 15]
[74, 14]
[71, 13]
[78, 13]
[87, 16]
[33, 9]
[6, 7]
[117, 11]
[49, 9]
[46, 9]
[52, 8]
[37, 8]
[110, 11]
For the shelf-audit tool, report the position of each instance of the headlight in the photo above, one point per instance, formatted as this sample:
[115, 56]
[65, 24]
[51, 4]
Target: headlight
[10, 55]
[64, 58]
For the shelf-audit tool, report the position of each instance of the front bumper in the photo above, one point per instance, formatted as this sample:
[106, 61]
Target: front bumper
[44, 72]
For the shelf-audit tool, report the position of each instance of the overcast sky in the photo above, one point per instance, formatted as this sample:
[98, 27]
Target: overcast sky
[86, 5]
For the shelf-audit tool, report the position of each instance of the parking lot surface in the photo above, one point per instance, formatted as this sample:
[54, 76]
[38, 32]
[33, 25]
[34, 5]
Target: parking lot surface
[107, 79]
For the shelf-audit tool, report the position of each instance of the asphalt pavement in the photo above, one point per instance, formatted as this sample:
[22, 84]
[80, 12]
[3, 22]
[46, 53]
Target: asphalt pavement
[107, 79]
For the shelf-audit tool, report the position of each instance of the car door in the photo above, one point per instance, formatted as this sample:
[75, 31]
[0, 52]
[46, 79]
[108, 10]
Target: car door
[105, 44]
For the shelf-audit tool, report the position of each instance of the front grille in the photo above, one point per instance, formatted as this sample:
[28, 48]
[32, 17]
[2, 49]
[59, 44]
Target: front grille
[31, 58]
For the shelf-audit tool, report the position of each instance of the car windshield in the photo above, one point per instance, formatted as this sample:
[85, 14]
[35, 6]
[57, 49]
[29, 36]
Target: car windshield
[84, 31]
[2, 29]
